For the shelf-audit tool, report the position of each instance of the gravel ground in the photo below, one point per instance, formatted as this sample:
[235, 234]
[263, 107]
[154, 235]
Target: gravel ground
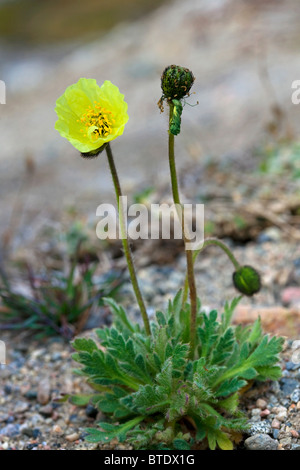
[38, 371]
[30, 419]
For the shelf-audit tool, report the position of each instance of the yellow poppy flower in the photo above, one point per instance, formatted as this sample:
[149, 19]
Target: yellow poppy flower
[90, 116]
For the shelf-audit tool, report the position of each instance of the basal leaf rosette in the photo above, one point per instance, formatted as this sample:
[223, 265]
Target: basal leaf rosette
[90, 116]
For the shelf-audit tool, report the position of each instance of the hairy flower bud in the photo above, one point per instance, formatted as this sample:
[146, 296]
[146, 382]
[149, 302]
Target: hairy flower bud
[247, 280]
[176, 82]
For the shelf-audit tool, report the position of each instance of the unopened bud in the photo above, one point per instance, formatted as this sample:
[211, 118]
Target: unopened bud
[176, 82]
[247, 280]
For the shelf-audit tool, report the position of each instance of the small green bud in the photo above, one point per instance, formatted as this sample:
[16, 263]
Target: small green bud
[176, 82]
[247, 280]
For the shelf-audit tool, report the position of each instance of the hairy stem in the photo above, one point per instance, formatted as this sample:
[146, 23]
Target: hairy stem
[189, 253]
[125, 242]
[208, 242]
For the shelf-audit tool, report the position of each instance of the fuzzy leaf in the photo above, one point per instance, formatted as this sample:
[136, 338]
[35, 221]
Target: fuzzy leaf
[110, 431]
[223, 441]
[80, 400]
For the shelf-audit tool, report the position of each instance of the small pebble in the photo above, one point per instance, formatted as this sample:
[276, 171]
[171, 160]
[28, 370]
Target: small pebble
[72, 437]
[31, 446]
[91, 411]
[295, 446]
[57, 429]
[286, 442]
[7, 389]
[27, 432]
[295, 396]
[261, 442]
[265, 413]
[43, 394]
[281, 413]
[10, 430]
[291, 366]
[262, 404]
[20, 407]
[46, 410]
[275, 424]
[288, 385]
[263, 427]
[31, 395]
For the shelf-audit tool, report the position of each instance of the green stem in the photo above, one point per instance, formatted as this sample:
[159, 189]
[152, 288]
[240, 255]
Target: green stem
[124, 238]
[189, 253]
[208, 242]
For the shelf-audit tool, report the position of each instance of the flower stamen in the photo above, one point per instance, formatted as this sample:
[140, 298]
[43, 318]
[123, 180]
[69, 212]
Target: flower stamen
[98, 122]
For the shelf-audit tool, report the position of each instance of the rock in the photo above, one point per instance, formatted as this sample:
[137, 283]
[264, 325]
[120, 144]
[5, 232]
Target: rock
[27, 432]
[10, 430]
[292, 366]
[271, 234]
[281, 413]
[8, 389]
[277, 320]
[57, 430]
[6, 373]
[20, 407]
[46, 410]
[255, 413]
[91, 411]
[72, 437]
[294, 433]
[56, 356]
[291, 296]
[31, 395]
[3, 418]
[275, 424]
[288, 385]
[286, 442]
[43, 394]
[275, 388]
[263, 427]
[295, 396]
[262, 404]
[265, 413]
[261, 442]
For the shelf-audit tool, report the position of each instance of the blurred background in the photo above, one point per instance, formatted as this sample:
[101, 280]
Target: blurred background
[237, 151]
[244, 54]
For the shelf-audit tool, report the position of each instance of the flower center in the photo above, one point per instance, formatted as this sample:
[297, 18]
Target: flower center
[97, 122]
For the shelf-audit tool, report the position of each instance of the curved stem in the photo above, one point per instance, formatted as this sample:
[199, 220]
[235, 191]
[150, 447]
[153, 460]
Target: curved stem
[124, 238]
[189, 253]
[208, 242]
